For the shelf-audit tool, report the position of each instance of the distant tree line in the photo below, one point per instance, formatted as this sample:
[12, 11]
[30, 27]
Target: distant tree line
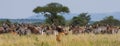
[53, 13]
[7, 21]
[110, 20]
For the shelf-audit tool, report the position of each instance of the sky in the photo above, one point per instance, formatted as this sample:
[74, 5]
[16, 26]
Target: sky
[16, 9]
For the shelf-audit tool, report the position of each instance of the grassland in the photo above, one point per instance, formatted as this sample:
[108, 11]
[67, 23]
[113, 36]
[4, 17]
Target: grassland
[69, 40]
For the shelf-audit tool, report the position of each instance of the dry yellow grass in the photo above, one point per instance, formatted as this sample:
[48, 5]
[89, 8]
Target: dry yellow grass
[69, 40]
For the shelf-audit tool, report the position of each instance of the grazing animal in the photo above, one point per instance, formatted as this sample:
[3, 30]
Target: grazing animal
[77, 30]
[33, 30]
[88, 29]
[40, 29]
[1, 30]
[112, 30]
[66, 30]
[49, 30]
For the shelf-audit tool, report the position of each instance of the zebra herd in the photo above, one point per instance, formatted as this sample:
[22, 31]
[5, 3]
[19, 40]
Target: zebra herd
[26, 29]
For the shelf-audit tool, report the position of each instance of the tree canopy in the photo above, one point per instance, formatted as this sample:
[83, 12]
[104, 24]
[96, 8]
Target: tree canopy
[51, 11]
[109, 20]
[82, 19]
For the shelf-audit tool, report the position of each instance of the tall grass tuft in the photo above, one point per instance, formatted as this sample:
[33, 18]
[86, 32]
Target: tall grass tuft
[68, 40]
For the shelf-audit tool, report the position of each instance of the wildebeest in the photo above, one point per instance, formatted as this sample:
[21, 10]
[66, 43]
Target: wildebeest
[112, 29]
[1, 30]
[25, 29]
[77, 29]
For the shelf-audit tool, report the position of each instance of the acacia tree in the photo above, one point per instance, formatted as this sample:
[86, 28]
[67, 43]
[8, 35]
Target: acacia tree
[110, 20]
[82, 19]
[51, 12]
